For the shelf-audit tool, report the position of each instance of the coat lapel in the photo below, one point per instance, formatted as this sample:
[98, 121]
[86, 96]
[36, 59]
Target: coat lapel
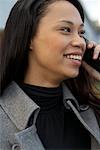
[86, 117]
[18, 106]
[29, 139]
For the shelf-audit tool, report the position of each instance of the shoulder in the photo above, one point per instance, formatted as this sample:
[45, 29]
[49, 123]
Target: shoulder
[95, 105]
[5, 122]
[97, 114]
[7, 126]
[7, 130]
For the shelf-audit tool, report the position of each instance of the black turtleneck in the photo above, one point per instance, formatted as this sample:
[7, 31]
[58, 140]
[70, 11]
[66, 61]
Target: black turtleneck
[57, 127]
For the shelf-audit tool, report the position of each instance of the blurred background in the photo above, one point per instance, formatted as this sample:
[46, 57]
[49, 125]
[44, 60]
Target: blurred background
[92, 13]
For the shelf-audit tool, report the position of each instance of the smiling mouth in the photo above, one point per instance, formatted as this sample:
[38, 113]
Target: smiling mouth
[75, 57]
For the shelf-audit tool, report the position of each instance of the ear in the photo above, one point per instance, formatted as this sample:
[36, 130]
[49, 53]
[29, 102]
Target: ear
[31, 45]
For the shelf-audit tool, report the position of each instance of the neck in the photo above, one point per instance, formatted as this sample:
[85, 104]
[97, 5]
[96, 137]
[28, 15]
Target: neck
[40, 79]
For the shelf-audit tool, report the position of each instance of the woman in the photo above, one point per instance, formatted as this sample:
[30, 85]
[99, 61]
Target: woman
[45, 88]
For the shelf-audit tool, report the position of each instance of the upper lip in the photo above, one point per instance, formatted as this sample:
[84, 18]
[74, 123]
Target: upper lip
[74, 53]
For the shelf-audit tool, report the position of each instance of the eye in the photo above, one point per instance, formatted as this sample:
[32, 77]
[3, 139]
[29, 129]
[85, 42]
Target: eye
[82, 33]
[65, 29]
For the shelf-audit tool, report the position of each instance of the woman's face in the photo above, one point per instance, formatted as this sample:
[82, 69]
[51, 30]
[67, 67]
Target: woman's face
[58, 46]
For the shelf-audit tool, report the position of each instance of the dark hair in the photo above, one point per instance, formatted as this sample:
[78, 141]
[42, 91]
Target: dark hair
[21, 26]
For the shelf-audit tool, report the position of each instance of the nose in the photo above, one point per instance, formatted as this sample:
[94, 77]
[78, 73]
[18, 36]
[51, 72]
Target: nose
[78, 41]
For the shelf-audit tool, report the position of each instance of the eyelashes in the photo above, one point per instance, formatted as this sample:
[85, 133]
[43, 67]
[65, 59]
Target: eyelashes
[69, 30]
[65, 29]
[82, 32]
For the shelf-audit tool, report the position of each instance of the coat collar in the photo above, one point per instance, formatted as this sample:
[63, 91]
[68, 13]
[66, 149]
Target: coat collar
[67, 95]
[19, 107]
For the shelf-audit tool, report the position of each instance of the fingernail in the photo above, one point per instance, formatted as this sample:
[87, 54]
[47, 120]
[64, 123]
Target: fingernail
[95, 56]
[89, 45]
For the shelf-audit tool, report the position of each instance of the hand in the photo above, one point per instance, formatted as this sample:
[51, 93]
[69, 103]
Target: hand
[96, 55]
[92, 44]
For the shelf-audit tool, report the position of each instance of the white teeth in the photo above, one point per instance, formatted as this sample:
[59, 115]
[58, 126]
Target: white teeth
[76, 57]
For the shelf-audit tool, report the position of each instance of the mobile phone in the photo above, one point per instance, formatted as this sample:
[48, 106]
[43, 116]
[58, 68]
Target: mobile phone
[88, 58]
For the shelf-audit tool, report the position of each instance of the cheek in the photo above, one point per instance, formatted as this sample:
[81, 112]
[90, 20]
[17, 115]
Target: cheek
[50, 45]
[55, 44]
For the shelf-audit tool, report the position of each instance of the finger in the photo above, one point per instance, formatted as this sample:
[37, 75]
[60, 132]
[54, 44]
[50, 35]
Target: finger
[91, 44]
[96, 54]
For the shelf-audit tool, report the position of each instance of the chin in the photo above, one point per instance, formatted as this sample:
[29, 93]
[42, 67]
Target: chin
[75, 74]
[72, 74]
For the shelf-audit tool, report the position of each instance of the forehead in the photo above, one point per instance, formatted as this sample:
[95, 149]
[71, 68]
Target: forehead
[60, 10]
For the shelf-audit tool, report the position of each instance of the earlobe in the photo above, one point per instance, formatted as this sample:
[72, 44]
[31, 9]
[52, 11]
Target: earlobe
[30, 46]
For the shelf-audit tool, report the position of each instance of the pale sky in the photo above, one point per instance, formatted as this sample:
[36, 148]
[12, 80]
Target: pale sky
[5, 6]
[92, 7]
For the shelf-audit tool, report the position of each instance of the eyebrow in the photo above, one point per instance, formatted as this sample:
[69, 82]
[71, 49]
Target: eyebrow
[71, 23]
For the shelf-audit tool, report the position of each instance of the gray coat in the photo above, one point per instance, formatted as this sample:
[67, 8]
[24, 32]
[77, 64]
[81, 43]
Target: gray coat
[15, 110]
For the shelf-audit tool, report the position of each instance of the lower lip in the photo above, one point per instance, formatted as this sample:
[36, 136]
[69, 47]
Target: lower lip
[74, 62]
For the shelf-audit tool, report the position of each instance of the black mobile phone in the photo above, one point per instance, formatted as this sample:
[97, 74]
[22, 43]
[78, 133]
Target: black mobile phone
[88, 58]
